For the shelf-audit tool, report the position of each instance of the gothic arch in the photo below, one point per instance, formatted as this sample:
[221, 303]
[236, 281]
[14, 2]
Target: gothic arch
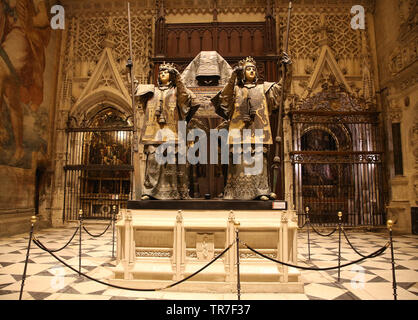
[105, 86]
[93, 102]
[98, 168]
[339, 133]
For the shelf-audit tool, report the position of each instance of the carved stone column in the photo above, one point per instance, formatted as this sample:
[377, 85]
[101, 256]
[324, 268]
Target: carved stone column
[230, 259]
[59, 173]
[129, 244]
[285, 245]
[179, 248]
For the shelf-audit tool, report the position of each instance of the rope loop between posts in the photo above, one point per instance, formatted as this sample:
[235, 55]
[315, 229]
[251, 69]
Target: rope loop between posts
[98, 235]
[372, 255]
[41, 246]
[303, 226]
[352, 247]
[71, 239]
[321, 234]
[203, 268]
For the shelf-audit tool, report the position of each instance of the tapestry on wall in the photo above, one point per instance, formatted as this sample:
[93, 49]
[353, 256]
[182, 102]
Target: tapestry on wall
[24, 36]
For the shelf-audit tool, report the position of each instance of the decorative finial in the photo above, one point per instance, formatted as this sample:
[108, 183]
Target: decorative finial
[179, 216]
[389, 224]
[231, 216]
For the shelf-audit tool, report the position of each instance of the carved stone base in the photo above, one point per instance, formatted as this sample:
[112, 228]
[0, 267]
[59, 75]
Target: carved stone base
[159, 247]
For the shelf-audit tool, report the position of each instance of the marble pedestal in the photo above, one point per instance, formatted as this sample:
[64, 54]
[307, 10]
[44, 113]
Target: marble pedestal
[156, 247]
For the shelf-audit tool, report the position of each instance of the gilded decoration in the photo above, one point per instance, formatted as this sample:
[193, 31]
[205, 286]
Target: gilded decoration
[333, 97]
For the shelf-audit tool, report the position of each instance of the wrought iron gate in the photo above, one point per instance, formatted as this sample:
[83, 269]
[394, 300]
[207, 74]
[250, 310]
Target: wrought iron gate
[98, 170]
[338, 159]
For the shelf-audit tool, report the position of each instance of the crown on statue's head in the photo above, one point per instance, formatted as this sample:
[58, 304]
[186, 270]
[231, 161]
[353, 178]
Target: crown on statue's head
[167, 66]
[247, 61]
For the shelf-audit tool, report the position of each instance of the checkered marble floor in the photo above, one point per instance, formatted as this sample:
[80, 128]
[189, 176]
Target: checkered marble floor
[48, 279]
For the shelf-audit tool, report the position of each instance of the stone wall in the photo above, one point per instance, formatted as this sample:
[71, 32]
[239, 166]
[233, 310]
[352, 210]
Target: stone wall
[396, 40]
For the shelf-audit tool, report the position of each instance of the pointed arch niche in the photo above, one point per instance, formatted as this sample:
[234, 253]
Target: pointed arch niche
[99, 162]
[105, 86]
[98, 170]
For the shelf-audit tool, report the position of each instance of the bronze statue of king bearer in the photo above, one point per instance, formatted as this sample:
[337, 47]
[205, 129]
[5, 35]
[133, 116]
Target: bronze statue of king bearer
[164, 106]
[247, 105]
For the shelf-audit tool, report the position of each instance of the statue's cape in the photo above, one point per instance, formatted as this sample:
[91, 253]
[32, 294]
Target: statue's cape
[144, 89]
[267, 86]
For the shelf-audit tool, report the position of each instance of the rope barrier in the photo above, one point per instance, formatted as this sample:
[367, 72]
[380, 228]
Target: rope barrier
[99, 235]
[372, 255]
[352, 247]
[72, 237]
[376, 253]
[303, 226]
[203, 268]
[41, 246]
[321, 234]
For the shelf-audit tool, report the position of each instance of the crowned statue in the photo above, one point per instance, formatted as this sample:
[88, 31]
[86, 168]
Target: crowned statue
[164, 106]
[246, 106]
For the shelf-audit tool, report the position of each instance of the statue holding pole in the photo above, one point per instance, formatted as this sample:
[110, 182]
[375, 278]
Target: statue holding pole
[164, 106]
[247, 106]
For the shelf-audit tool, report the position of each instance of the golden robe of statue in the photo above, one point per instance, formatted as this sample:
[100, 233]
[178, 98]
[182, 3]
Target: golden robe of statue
[247, 105]
[164, 107]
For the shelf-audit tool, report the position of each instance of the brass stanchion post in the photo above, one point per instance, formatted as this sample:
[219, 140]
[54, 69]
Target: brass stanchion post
[340, 214]
[308, 221]
[80, 224]
[32, 220]
[113, 231]
[389, 225]
[238, 274]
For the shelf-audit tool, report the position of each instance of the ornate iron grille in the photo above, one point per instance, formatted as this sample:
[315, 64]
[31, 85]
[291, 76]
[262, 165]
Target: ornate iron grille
[337, 160]
[98, 170]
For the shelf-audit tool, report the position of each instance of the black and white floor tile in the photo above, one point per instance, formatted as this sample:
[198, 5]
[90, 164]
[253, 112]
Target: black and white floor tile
[48, 279]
